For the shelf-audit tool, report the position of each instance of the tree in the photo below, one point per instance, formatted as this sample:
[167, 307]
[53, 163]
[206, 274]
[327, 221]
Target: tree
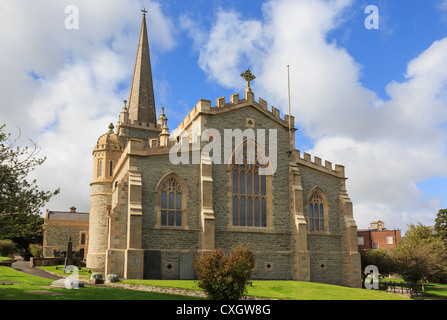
[224, 277]
[380, 258]
[421, 256]
[441, 224]
[20, 199]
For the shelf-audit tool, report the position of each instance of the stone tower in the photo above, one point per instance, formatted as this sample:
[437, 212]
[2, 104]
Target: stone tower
[137, 120]
[106, 154]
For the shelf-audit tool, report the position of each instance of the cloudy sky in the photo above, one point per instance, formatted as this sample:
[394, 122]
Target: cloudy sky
[374, 100]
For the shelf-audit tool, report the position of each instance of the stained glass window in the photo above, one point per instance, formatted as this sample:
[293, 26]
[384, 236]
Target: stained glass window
[249, 190]
[316, 212]
[171, 203]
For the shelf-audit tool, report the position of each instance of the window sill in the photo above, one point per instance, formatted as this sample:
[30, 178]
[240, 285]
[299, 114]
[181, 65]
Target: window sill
[251, 229]
[325, 233]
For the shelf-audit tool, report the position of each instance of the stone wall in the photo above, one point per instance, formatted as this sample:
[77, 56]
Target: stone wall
[100, 203]
[328, 250]
[56, 236]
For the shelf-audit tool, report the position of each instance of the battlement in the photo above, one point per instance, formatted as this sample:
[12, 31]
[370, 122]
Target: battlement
[124, 121]
[204, 106]
[261, 104]
[146, 147]
[317, 164]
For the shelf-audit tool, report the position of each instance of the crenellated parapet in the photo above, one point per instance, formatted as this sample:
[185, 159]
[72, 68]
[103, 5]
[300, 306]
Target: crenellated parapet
[249, 99]
[222, 105]
[306, 159]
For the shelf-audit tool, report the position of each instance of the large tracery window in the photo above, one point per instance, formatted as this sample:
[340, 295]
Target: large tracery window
[316, 212]
[171, 203]
[249, 191]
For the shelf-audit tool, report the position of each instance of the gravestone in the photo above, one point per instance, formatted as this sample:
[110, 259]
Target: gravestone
[69, 256]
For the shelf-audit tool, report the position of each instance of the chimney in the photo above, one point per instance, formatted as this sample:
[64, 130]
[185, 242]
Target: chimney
[379, 225]
[73, 209]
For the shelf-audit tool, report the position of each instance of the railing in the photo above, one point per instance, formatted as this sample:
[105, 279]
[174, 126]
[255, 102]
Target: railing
[404, 288]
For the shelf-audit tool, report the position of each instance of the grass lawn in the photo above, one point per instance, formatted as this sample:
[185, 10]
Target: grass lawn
[83, 273]
[24, 283]
[435, 291]
[4, 258]
[288, 290]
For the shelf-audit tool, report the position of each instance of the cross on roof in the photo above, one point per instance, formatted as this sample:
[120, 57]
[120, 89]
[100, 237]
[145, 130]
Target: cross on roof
[248, 76]
[144, 11]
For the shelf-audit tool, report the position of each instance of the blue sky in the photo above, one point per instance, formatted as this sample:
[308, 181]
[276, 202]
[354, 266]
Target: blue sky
[372, 100]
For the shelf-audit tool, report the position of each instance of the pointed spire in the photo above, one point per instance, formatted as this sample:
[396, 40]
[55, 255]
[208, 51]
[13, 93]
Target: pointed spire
[141, 100]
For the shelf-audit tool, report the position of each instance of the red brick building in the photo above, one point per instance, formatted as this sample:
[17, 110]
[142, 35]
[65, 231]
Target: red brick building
[378, 237]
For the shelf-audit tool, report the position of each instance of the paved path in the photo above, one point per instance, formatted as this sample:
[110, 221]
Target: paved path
[24, 266]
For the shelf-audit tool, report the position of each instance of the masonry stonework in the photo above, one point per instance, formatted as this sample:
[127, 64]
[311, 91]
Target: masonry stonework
[150, 216]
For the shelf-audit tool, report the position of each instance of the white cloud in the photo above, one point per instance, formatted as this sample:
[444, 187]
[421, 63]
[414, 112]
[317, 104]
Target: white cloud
[387, 146]
[63, 87]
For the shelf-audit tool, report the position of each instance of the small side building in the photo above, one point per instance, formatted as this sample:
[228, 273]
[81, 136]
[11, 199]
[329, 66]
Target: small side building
[59, 226]
[378, 237]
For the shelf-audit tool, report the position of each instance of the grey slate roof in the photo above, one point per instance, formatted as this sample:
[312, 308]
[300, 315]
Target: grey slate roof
[64, 215]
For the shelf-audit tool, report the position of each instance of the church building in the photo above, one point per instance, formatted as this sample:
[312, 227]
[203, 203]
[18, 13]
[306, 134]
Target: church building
[228, 175]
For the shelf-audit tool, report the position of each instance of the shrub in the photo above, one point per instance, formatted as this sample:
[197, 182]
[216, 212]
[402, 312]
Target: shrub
[381, 258]
[36, 250]
[7, 247]
[224, 277]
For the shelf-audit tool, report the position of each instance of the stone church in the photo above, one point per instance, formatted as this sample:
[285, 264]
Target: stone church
[152, 210]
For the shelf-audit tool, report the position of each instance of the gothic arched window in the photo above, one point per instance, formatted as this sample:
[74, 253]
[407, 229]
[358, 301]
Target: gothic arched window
[171, 203]
[316, 212]
[249, 189]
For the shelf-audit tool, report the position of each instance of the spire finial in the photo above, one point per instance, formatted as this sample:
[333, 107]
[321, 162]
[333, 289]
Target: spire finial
[248, 76]
[111, 127]
[144, 11]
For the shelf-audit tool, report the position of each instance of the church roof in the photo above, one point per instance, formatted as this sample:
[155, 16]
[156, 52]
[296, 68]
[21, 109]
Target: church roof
[141, 99]
[64, 215]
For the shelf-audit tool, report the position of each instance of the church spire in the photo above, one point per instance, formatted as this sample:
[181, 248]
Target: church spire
[141, 100]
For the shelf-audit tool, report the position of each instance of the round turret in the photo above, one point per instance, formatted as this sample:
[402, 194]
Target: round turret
[107, 152]
[106, 155]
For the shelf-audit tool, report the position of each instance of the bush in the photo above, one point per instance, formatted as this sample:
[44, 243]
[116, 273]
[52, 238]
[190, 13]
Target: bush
[36, 250]
[224, 277]
[7, 247]
[381, 258]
